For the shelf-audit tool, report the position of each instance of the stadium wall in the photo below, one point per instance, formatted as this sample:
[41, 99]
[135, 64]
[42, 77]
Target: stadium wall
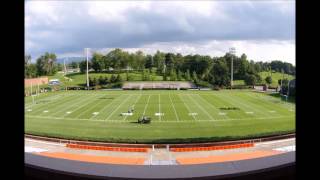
[36, 81]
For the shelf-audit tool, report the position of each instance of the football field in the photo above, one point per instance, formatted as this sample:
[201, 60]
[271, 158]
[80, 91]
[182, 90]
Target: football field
[176, 116]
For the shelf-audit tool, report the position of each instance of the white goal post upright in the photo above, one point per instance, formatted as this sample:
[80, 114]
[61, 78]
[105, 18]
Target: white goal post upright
[32, 94]
[87, 54]
[232, 51]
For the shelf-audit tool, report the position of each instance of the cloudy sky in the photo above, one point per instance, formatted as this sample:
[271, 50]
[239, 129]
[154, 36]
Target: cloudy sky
[263, 30]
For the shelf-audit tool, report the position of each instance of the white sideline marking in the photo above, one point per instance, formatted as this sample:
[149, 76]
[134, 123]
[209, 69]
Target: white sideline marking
[126, 114]
[68, 112]
[159, 114]
[221, 113]
[45, 111]
[95, 113]
[286, 148]
[42, 142]
[29, 110]
[249, 112]
[276, 141]
[32, 149]
[193, 114]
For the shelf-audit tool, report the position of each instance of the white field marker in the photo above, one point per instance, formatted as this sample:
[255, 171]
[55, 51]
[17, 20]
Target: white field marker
[222, 113]
[68, 112]
[249, 112]
[95, 113]
[126, 114]
[29, 110]
[193, 114]
[45, 111]
[272, 111]
[159, 114]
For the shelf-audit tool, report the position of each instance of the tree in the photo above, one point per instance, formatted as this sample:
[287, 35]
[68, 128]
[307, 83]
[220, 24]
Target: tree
[250, 79]
[179, 75]
[102, 81]
[83, 66]
[149, 62]
[113, 79]
[46, 64]
[268, 80]
[118, 78]
[173, 75]
[219, 74]
[187, 75]
[97, 62]
[195, 77]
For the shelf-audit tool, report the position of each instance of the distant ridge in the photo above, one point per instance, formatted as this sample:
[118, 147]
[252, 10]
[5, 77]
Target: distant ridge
[70, 59]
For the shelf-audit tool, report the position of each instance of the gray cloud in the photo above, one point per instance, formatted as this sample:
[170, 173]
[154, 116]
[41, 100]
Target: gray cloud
[64, 27]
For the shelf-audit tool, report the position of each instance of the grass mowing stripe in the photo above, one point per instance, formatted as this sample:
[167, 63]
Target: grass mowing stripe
[74, 105]
[88, 106]
[193, 116]
[240, 104]
[118, 107]
[53, 104]
[133, 105]
[191, 122]
[197, 104]
[280, 108]
[159, 108]
[107, 106]
[144, 111]
[175, 112]
[213, 107]
[47, 97]
[253, 105]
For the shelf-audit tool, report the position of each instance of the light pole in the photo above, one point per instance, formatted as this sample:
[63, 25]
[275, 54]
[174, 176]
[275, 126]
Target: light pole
[87, 52]
[232, 51]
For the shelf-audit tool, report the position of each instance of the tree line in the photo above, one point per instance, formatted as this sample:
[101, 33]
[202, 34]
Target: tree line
[200, 69]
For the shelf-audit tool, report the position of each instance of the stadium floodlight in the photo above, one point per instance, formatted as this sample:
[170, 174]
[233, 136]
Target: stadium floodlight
[232, 51]
[87, 54]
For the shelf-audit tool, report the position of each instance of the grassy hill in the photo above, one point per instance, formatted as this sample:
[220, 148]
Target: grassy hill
[79, 79]
[275, 77]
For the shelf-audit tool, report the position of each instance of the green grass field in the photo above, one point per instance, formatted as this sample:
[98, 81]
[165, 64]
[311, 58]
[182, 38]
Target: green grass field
[186, 116]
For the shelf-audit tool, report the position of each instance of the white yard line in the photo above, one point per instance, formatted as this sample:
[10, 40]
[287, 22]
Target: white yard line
[175, 112]
[76, 104]
[101, 110]
[206, 112]
[118, 107]
[169, 121]
[144, 111]
[243, 104]
[187, 107]
[51, 104]
[133, 105]
[90, 108]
